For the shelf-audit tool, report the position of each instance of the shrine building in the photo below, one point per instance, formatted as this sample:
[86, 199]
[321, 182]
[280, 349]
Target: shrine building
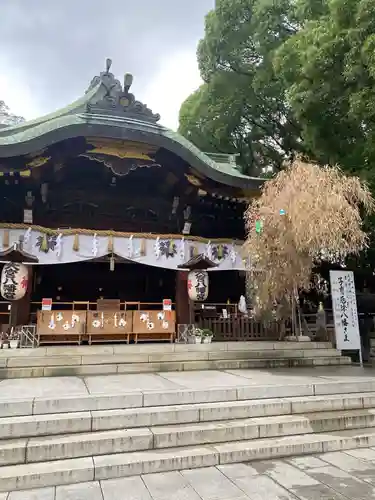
[108, 211]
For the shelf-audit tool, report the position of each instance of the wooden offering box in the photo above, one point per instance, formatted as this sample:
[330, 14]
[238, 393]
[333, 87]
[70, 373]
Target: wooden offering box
[109, 326]
[154, 325]
[60, 327]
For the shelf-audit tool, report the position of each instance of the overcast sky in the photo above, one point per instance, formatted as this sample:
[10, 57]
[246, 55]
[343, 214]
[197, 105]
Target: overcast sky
[51, 49]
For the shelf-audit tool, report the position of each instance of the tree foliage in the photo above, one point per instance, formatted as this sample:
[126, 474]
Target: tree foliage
[328, 69]
[309, 214]
[241, 107]
[7, 118]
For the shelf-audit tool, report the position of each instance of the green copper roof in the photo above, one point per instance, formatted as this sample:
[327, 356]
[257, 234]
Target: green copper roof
[108, 109]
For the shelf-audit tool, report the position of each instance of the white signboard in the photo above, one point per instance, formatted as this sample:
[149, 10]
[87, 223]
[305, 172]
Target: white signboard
[344, 305]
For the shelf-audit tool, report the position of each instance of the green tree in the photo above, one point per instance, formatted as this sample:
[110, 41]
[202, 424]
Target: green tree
[328, 68]
[241, 107]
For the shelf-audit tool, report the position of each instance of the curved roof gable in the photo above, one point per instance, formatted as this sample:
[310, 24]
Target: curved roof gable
[109, 109]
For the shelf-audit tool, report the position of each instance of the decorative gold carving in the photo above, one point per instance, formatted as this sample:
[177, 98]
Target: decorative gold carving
[38, 162]
[193, 180]
[122, 149]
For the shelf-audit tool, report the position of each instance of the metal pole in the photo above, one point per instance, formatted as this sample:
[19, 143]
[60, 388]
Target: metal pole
[360, 357]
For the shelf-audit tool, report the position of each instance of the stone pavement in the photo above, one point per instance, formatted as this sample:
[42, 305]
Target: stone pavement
[332, 476]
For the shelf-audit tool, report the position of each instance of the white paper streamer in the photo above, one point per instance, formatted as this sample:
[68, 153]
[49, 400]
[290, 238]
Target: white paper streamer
[209, 250]
[130, 247]
[95, 245]
[182, 249]
[59, 244]
[157, 248]
[233, 255]
[27, 236]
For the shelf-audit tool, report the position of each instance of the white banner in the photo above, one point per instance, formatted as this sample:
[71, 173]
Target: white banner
[344, 305]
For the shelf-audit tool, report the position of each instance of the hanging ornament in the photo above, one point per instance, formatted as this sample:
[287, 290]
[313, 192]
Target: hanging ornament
[59, 316]
[165, 325]
[157, 248]
[96, 323]
[58, 244]
[110, 244]
[76, 243]
[66, 326]
[161, 316]
[44, 247]
[150, 325]
[115, 320]
[5, 238]
[193, 251]
[220, 252]
[130, 247]
[95, 245]
[182, 249]
[258, 226]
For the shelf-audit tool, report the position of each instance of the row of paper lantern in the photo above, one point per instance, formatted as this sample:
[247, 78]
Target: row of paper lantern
[14, 281]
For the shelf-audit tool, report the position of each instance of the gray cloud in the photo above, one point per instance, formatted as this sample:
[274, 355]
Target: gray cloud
[58, 47]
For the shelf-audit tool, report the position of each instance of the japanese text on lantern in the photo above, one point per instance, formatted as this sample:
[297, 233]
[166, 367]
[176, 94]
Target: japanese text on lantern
[200, 286]
[9, 280]
[345, 310]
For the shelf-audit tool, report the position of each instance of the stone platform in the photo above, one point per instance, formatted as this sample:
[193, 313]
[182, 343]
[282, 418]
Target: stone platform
[143, 358]
[65, 430]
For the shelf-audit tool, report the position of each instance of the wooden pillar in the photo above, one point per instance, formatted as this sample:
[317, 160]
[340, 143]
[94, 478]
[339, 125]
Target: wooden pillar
[20, 309]
[183, 303]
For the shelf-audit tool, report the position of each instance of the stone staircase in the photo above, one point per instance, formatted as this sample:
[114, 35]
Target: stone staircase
[141, 358]
[78, 438]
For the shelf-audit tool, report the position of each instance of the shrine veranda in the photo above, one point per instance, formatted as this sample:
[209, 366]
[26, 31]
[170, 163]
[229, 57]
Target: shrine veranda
[107, 210]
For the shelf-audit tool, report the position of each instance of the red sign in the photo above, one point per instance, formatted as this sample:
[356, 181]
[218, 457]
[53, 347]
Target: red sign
[46, 304]
[167, 305]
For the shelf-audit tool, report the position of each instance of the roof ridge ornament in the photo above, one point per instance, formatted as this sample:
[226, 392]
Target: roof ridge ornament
[117, 100]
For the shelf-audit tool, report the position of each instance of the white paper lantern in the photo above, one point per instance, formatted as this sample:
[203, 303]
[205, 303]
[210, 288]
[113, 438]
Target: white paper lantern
[198, 285]
[14, 281]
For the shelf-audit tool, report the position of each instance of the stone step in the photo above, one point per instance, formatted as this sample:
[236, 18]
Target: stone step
[78, 445]
[13, 427]
[20, 361]
[327, 395]
[61, 370]
[160, 348]
[70, 471]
